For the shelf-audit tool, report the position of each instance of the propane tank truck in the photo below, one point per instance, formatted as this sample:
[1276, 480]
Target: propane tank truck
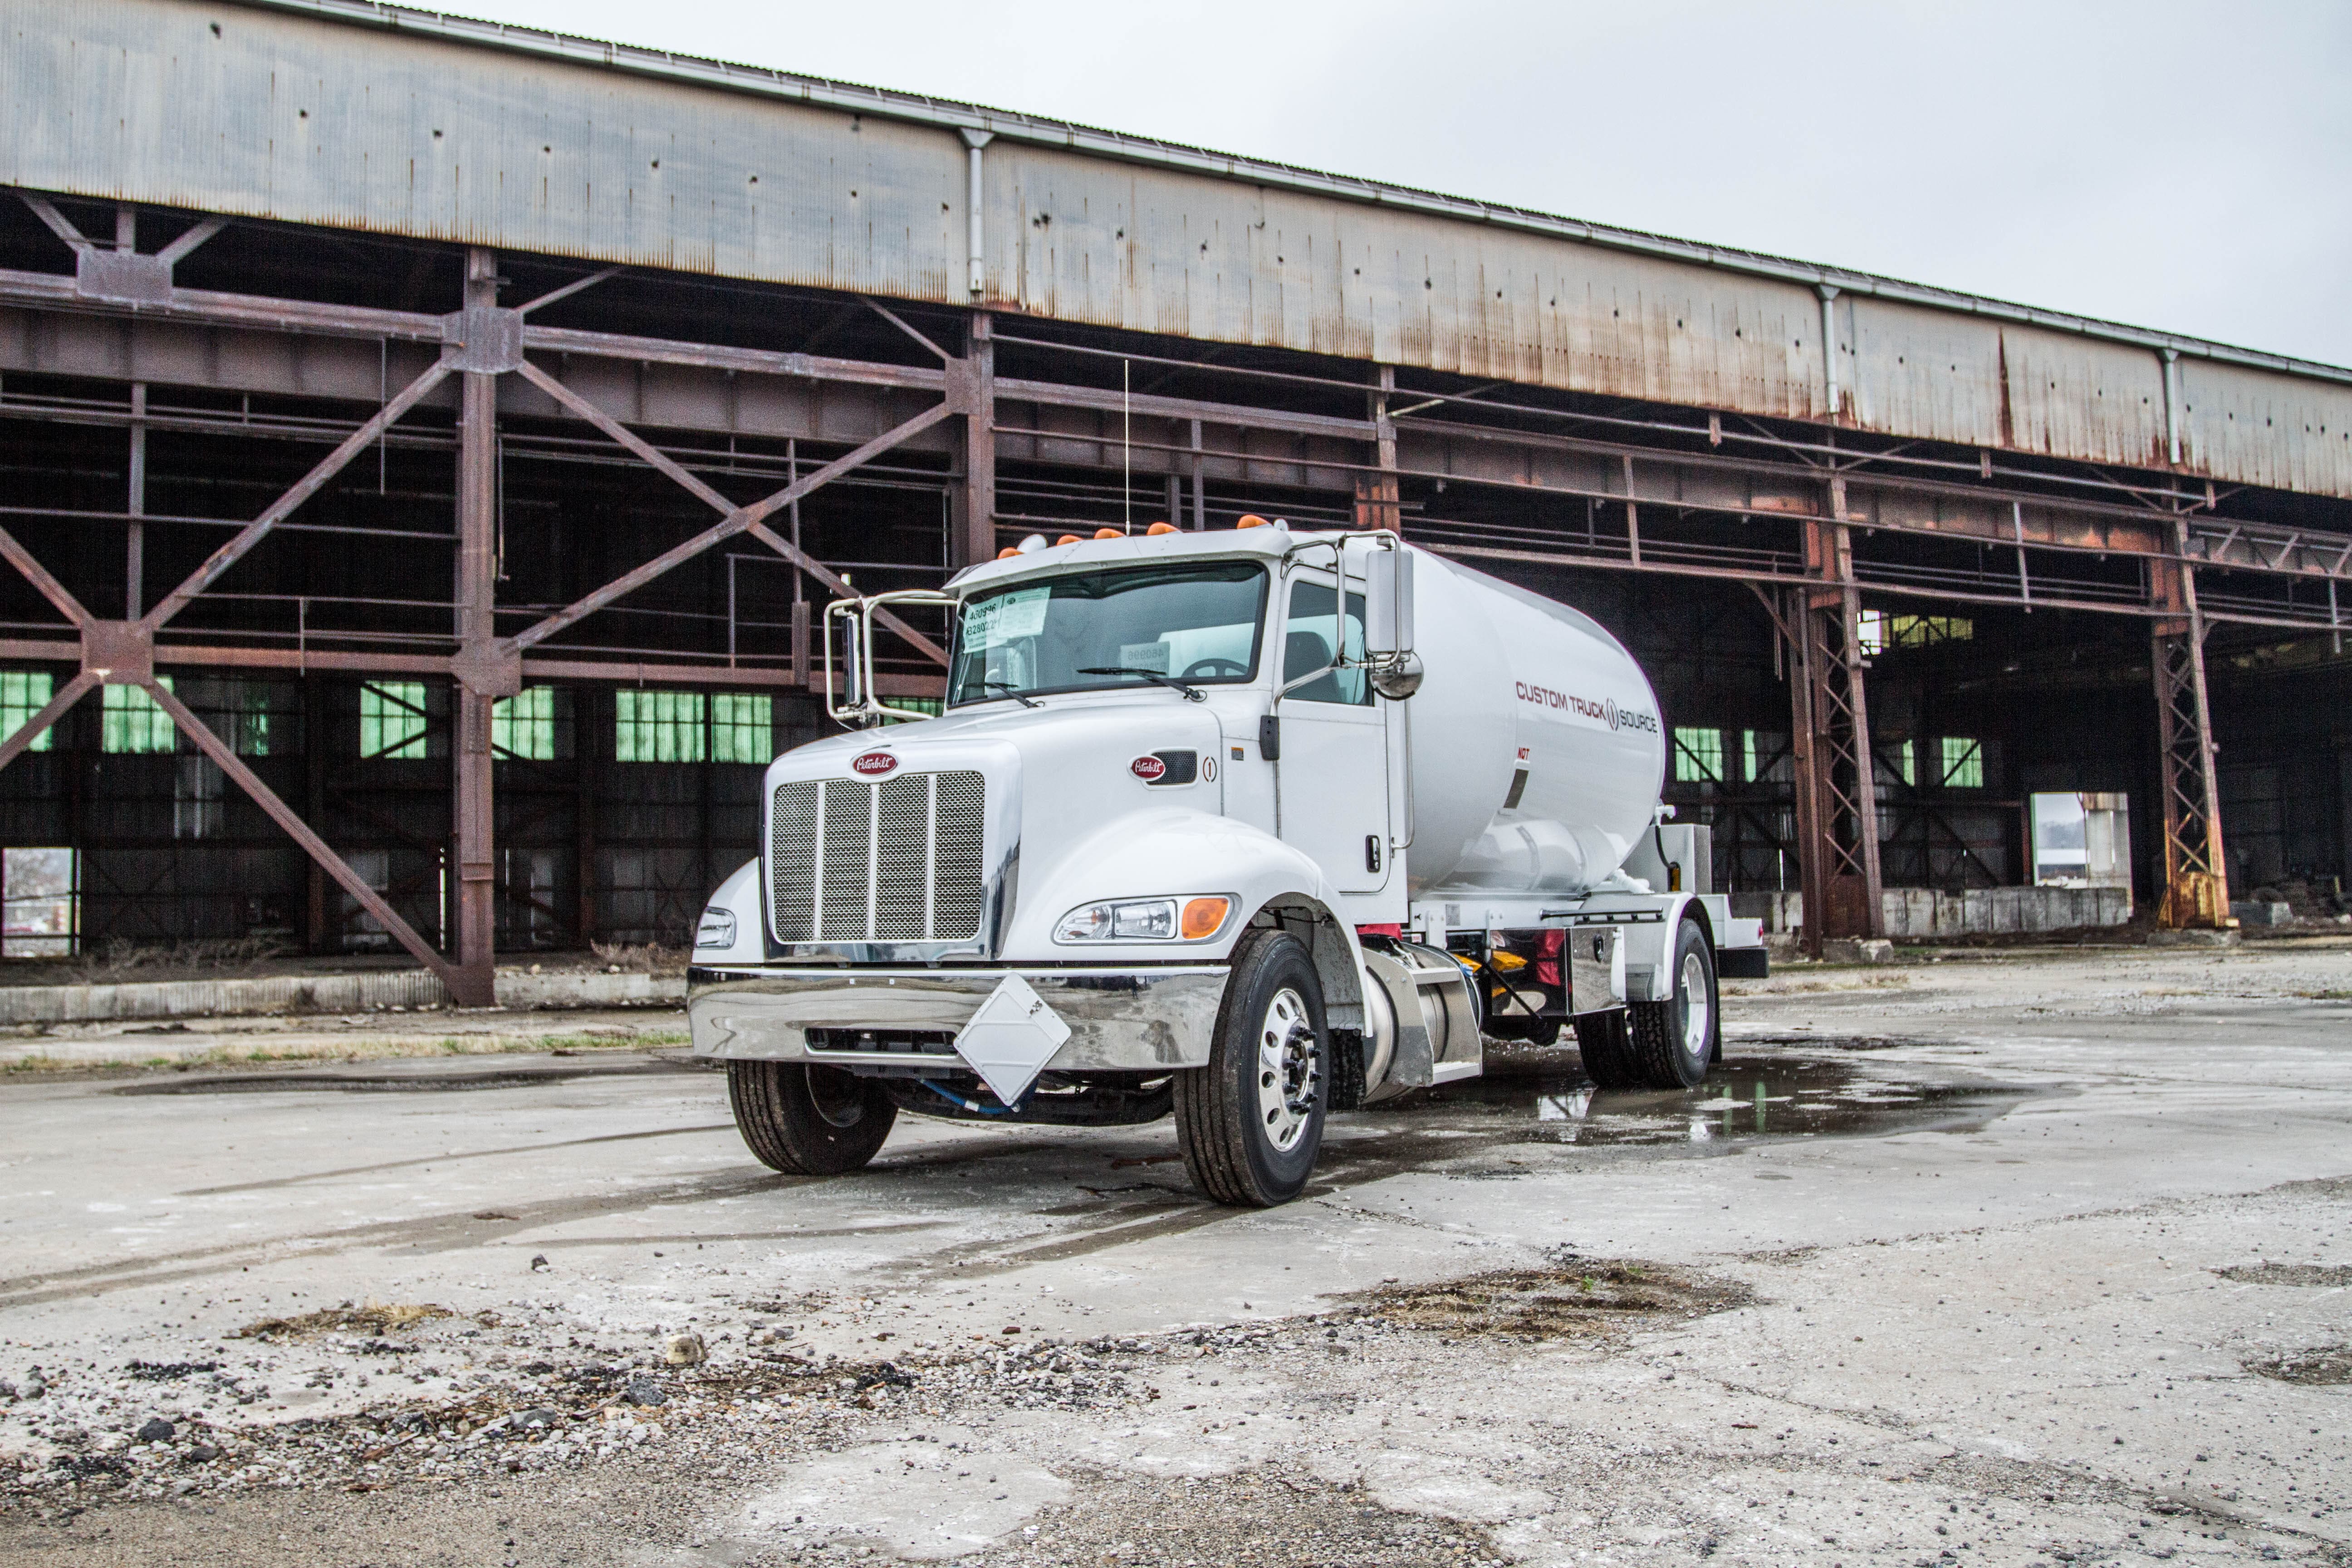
[1245, 827]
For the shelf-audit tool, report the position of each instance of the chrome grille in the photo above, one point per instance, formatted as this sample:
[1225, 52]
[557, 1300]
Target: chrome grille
[900, 860]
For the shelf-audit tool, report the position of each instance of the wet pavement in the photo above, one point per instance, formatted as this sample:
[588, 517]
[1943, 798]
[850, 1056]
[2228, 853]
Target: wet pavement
[2025, 1262]
[1544, 1097]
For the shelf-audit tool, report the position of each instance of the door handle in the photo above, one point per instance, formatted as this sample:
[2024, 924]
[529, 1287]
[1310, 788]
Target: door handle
[1372, 851]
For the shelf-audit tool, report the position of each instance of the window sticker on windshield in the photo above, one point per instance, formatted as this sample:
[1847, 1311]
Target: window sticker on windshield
[1150, 656]
[1020, 614]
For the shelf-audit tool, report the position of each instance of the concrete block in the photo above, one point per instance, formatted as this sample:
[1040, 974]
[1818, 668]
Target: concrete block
[2261, 914]
[1857, 949]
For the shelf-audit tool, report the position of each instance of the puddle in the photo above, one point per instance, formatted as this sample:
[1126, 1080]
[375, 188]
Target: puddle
[1746, 1098]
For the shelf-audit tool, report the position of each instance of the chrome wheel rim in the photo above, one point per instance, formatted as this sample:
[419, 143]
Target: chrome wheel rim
[1698, 1012]
[1289, 1073]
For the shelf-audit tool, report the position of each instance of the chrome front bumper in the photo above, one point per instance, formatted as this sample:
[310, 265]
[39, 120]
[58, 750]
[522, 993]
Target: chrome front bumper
[1125, 1020]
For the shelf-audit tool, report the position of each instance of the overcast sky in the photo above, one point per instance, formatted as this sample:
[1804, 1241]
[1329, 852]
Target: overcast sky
[2181, 166]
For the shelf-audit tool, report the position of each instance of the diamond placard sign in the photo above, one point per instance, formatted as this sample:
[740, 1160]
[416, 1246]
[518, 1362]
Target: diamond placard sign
[1009, 1041]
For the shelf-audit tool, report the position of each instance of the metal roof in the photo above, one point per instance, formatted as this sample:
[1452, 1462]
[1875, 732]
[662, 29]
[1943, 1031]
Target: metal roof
[1041, 130]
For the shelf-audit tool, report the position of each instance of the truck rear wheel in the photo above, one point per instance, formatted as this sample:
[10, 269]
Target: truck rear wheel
[1607, 1047]
[1251, 1123]
[1673, 1040]
[808, 1121]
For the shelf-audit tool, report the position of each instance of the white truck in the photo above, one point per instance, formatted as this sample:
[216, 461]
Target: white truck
[1245, 827]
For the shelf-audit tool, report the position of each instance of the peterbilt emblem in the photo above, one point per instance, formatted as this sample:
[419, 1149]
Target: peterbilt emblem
[1149, 769]
[873, 765]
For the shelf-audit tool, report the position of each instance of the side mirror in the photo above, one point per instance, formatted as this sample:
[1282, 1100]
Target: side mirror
[1389, 659]
[1388, 602]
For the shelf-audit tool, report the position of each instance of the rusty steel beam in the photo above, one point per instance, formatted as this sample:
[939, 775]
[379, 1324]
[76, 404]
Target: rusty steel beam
[737, 520]
[1836, 793]
[225, 757]
[485, 673]
[625, 673]
[972, 388]
[2195, 870]
[54, 592]
[229, 553]
[653, 456]
[71, 692]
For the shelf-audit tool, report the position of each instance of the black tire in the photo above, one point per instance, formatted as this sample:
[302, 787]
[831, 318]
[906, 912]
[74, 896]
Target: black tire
[1674, 1041]
[1220, 1121]
[1607, 1047]
[809, 1121]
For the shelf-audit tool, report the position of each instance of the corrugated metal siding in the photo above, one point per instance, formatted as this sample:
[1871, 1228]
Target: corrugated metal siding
[313, 120]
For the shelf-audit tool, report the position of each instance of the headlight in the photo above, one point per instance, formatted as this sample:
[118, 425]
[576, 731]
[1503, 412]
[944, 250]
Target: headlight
[717, 930]
[1145, 919]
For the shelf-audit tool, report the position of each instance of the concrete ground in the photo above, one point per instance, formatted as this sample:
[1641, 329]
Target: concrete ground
[2036, 1258]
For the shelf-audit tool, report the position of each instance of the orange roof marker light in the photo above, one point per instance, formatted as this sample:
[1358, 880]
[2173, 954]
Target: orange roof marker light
[1067, 539]
[1251, 520]
[1160, 528]
[1008, 553]
[1108, 534]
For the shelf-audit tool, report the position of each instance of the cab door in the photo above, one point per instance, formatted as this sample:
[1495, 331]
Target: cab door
[1331, 782]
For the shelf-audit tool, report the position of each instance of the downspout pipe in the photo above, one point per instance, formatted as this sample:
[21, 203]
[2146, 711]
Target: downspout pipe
[977, 280]
[1829, 345]
[2172, 405]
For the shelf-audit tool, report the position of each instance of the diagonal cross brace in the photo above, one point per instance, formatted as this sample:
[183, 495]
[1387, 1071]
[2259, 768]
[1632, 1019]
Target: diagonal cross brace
[311, 484]
[225, 758]
[51, 712]
[736, 519]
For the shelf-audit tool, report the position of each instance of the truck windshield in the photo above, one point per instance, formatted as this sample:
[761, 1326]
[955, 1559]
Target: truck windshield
[1196, 622]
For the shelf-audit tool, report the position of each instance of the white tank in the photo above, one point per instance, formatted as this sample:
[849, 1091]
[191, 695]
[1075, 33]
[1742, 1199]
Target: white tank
[1536, 745]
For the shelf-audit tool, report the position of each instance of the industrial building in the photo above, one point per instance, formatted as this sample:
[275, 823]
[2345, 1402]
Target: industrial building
[429, 447]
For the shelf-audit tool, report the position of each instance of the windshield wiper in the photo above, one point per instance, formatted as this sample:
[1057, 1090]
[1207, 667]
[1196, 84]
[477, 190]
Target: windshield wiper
[1011, 691]
[1191, 694]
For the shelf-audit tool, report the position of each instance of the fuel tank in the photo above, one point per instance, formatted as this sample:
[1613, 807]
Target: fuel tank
[1534, 746]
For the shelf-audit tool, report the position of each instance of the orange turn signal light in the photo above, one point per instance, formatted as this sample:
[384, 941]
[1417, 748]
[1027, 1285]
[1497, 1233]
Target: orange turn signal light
[1251, 520]
[1202, 917]
[1160, 528]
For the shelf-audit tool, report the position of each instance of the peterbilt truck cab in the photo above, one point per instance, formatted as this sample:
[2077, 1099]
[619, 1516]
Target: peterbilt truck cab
[1243, 828]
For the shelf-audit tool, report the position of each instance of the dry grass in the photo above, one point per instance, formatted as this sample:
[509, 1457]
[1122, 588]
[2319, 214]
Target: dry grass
[651, 959]
[2288, 1274]
[1573, 1300]
[2327, 1368]
[376, 1317]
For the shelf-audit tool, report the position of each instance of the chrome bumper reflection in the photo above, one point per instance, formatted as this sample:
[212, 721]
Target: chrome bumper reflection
[1121, 1020]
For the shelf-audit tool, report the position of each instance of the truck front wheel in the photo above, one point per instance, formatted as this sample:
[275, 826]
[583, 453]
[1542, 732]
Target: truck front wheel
[1251, 1123]
[1673, 1040]
[808, 1121]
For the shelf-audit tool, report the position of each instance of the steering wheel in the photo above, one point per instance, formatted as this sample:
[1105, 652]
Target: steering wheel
[1206, 668]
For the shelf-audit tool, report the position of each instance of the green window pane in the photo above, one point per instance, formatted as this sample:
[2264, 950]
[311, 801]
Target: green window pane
[742, 728]
[1906, 764]
[523, 725]
[933, 706]
[133, 724]
[657, 726]
[392, 718]
[1698, 756]
[1963, 762]
[22, 693]
[1748, 769]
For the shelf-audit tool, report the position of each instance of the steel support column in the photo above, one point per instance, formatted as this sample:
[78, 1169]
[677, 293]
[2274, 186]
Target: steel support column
[2196, 875]
[971, 389]
[1376, 496]
[1836, 791]
[480, 669]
